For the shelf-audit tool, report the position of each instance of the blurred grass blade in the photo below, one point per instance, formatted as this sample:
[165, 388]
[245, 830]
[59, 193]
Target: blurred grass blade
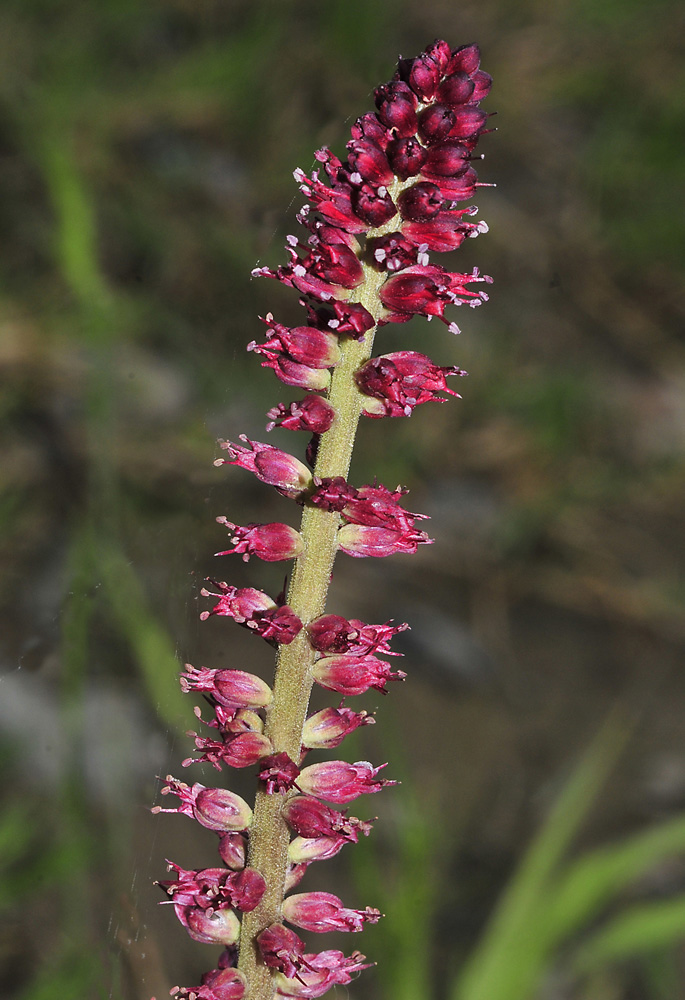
[590, 883]
[153, 649]
[507, 963]
[640, 931]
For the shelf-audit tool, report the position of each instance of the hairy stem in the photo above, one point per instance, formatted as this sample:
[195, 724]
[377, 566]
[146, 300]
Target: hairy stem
[269, 834]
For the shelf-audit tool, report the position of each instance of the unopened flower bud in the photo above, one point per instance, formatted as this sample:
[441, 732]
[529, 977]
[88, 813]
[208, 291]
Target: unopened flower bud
[435, 123]
[209, 926]
[270, 542]
[270, 465]
[311, 819]
[322, 911]
[215, 808]
[456, 89]
[363, 540]
[396, 108]
[339, 782]
[352, 675]
[421, 202]
[232, 688]
[233, 850]
[406, 156]
[313, 413]
[329, 727]
[305, 850]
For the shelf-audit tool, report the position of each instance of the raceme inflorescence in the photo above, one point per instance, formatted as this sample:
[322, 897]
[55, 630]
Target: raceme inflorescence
[372, 222]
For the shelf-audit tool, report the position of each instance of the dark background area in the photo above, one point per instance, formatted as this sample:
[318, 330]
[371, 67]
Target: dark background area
[146, 158]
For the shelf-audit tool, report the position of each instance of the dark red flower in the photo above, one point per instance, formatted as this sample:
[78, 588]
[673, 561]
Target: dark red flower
[270, 542]
[215, 808]
[322, 911]
[352, 675]
[232, 688]
[403, 380]
[278, 772]
[313, 413]
[334, 634]
[255, 610]
[329, 727]
[219, 984]
[310, 819]
[363, 540]
[339, 782]
[270, 465]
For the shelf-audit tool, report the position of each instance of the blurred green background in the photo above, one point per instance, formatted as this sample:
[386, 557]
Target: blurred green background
[146, 158]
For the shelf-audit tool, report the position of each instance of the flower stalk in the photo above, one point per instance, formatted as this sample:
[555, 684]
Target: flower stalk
[365, 265]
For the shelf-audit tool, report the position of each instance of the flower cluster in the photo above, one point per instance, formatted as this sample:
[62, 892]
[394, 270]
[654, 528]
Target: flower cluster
[372, 221]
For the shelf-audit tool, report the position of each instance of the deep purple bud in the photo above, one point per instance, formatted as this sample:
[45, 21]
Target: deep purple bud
[435, 123]
[209, 926]
[422, 74]
[270, 465]
[465, 59]
[468, 122]
[483, 85]
[369, 127]
[302, 850]
[363, 540]
[304, 344]
[242, 750]
[396, 107]
[373, 205]
[456, 89]
[421, 202]
[351, 675]
[448, 159]
[368, 160]
[406, 156]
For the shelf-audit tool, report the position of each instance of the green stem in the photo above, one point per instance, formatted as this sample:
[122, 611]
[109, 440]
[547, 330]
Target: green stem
[269, 834]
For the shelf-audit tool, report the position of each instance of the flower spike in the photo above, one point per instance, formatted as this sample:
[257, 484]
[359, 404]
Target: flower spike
[371, 223]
